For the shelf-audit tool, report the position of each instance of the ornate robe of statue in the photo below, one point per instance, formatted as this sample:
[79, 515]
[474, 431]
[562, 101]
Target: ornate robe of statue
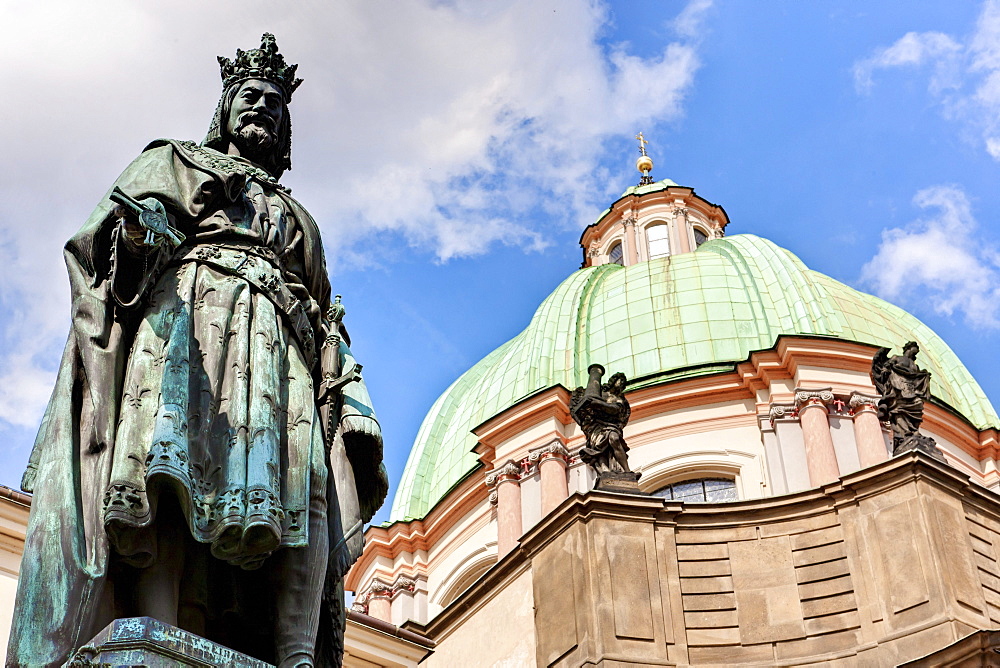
[904, 387]
[192, 377]
[602, 411]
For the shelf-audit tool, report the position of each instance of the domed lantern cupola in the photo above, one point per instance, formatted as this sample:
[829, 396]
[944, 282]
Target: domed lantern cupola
[651, 220]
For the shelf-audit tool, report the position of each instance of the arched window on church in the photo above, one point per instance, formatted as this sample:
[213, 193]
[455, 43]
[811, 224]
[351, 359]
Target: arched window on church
[701, 490]
[657, 240]
[616, 254]
[472, 572]
[699, 237]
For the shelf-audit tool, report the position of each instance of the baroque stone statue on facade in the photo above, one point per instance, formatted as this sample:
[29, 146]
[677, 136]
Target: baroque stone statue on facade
[602, 411]
[209, 455]
[904, 387]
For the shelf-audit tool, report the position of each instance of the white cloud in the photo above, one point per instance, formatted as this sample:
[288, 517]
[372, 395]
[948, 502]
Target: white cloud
[943, 261]
[449, 125]
[965, 72]
[689, 22]
[913, 48]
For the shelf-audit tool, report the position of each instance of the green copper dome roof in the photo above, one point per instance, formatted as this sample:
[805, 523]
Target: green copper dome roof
[706, 309]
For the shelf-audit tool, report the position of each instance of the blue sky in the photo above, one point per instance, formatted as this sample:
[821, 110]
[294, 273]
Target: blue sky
[453, 152]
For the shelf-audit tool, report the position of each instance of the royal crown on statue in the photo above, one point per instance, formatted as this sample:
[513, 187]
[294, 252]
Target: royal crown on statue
[263, 63]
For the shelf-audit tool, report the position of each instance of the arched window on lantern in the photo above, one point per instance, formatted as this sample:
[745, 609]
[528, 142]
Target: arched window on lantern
[699, 237]
[657, 239]
[700, 490]
[616, 255]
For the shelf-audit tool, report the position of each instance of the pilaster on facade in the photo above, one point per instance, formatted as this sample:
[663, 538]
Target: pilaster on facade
[868, 431]
[630, 238]
[375, 601]
[391, 602]
[552, 462]
[505, 485]
[814, 415]
[680, 222]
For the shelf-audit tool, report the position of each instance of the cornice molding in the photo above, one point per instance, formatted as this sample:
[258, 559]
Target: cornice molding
[757, 515]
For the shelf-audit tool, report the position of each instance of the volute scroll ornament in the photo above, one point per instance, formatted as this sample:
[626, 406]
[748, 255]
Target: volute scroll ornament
[818, 397]
[862, 402]
[781, 412]
[508, 471]
[555, 449]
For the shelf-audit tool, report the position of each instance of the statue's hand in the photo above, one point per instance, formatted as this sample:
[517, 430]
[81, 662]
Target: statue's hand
[135, 232]
[139, 235]
[153, 238]
[154, 204]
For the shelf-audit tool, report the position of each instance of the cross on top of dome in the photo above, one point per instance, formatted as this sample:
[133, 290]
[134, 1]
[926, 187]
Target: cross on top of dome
[644, 164]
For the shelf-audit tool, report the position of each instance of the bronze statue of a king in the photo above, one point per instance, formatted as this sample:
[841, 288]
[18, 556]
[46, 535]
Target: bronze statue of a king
[205, 458]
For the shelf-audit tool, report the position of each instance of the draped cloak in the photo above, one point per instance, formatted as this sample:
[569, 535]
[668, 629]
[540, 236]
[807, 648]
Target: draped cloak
[88, 435]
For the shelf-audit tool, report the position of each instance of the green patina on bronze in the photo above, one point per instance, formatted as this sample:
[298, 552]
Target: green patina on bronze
[207, 431]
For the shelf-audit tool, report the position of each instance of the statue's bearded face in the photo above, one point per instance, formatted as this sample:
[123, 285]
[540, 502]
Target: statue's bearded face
[255, 116]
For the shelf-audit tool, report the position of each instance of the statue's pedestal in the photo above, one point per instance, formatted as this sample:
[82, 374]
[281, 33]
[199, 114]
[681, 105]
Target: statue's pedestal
[144, 641]
[618, 481]
[921, 443]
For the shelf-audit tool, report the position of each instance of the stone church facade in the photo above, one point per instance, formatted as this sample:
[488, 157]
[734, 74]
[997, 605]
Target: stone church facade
[775, 529]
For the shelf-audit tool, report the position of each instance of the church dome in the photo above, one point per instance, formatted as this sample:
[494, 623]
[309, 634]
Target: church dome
[685, 315]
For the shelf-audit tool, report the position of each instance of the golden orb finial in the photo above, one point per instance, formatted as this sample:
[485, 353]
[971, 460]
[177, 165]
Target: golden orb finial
[644, 164]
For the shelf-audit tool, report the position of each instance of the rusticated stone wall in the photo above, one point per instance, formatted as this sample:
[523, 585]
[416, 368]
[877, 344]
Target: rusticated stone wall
[881, 567]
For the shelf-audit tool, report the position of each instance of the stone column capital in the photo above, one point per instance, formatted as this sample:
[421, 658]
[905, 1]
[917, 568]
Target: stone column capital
[508, 472]
[781, 411]
[554, 450]
[375, 589]
[820, 397]
[863, 402]
[379, 589]
[403, 584]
